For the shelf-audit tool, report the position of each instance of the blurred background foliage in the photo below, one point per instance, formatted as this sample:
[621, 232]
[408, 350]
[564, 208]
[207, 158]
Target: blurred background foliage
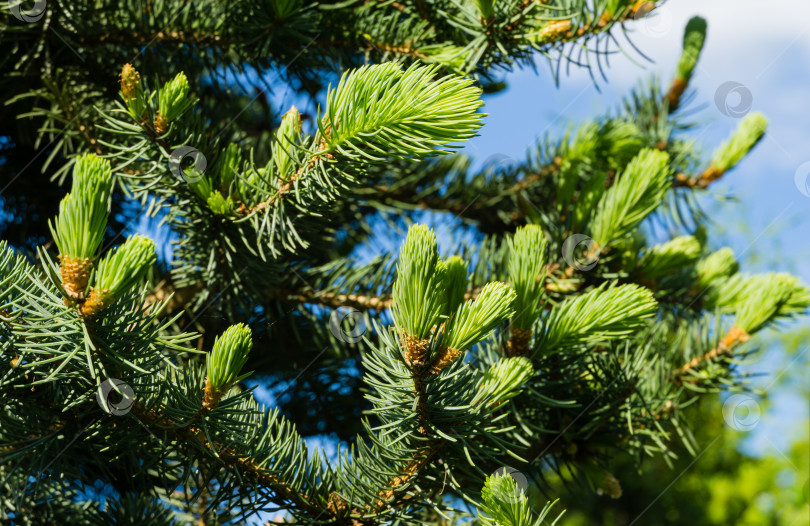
[733, 480]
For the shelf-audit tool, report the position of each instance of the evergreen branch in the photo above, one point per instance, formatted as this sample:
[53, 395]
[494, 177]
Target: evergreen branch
[455, 283]
[505, 504]
[227, 358]
[247, 467]
[732, 338]
[667, 258]
[381, 112]
[404, 477]
[769, 296]
[119, 271]
[694, 37]
[335, 300]
[169, 36]
[758, 299]
[79, 227]
[636, 194]
[526, 268]
[603, 313]
[418, 295]
[475, 320]
[716, 266]
[173, 101]
[444, 405]
[502, 380]
[727, 155]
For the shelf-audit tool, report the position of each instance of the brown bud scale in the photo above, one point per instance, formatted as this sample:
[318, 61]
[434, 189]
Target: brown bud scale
[130, 82]
[444, 358]
[211, 396]
[416, 350]
[75, 273]
[95, 302]
[161, 124]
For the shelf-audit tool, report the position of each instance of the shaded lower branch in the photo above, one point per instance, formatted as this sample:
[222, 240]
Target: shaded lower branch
[241, 462]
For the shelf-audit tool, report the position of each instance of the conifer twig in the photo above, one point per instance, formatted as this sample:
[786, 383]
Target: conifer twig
[733, 337]
[189, 432]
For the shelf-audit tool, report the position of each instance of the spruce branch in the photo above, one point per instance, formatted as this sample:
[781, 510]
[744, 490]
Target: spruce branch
[288, 140]
[79, 227]
[716, 266]
[455, 274]
[119, 272]
[768, 296]
[604, 313]
[251, 470]
[758, 299]
[366, 302]
[734, 337]
[419, 296]
[749, 132]
[505, 504]
[694, 37]
[502, 380]
[265, 231]
[526, 268]
[82, 220]
[667, 258]
[745, 137]
[378, 113]
[173, 101]
[226, 359]
[381, 112]
[476, 319]
[556, 31]
[637, 192]
[335, 300]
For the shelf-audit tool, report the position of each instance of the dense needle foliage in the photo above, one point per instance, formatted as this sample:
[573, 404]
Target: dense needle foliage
[564, 336]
